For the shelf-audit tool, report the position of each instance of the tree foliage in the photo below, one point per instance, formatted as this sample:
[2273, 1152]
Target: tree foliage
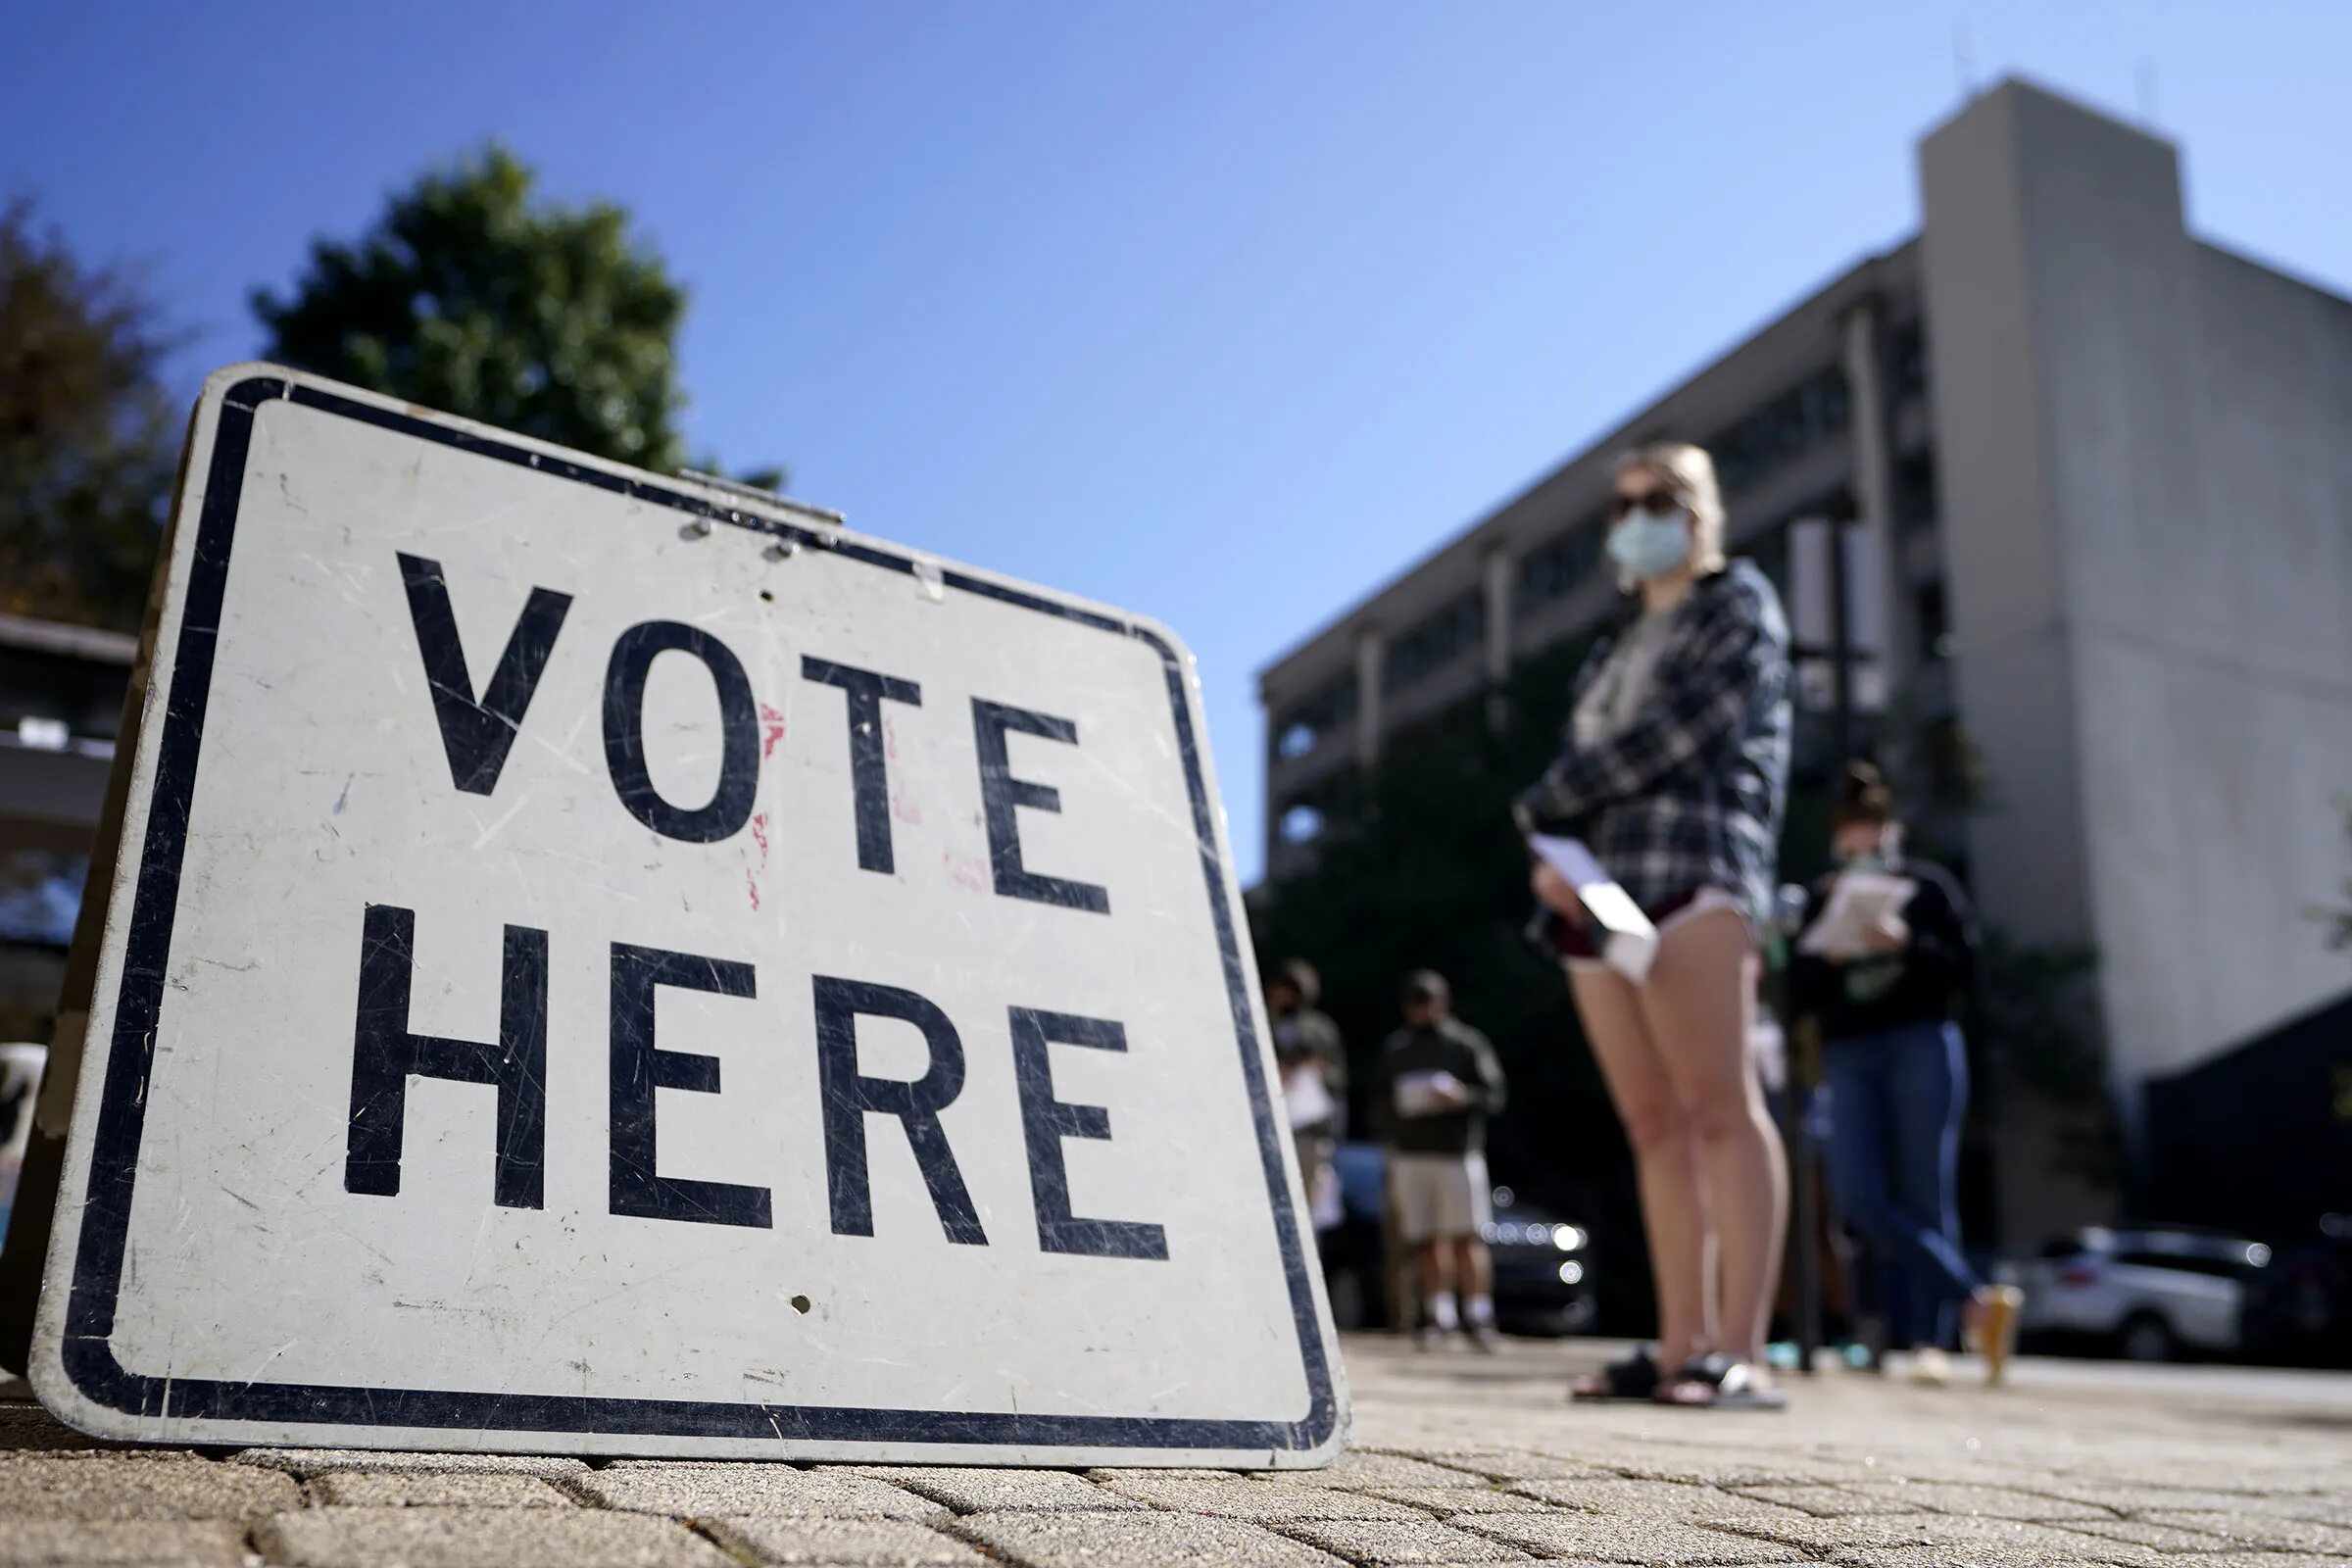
[2035, 1013]
[474, 295]
[1418, 864]
[88, 441]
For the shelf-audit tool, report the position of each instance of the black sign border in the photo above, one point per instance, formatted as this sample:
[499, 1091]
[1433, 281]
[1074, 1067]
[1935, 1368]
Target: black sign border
[88, 1356]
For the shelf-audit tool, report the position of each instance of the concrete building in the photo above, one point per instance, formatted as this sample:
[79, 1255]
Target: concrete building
[2073, 484]
[61, 703]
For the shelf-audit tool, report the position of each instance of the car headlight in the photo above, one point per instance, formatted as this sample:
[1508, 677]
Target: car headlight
[1571, 1271]
[1567, 1238]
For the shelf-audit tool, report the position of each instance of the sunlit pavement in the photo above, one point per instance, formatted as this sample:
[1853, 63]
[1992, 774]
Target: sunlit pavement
[1458, 1458]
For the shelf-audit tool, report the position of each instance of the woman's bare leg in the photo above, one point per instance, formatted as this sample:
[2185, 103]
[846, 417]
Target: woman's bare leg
[1665, 1156]
[1697, 1003]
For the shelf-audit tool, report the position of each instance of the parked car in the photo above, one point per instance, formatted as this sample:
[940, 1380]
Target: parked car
[1541, 1260]
[1540, 1263]
[2148, 1294]
[2298, 1310]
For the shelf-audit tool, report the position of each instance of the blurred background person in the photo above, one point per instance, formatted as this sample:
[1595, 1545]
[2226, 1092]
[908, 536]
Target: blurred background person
[1673, 772]
[1438, 1082]
[1303, 1033]
[1313, 1059]
[1897, 1070]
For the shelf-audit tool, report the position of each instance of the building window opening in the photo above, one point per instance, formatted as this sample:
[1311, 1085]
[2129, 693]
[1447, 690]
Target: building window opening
[1302, 728]
[1435, 642]
[1560, 564]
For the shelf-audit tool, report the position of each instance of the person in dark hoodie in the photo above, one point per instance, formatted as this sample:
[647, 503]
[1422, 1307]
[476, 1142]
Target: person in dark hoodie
[1438, 1082]
[1898, 1074]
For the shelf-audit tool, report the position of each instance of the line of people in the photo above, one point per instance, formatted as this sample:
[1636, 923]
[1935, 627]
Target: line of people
[1673, 773]
[1437, 1083]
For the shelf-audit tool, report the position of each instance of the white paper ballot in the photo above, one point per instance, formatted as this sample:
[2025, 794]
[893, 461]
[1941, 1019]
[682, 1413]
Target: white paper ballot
[1858, 902]
[1629, 942]
[1307, 1098]
[1425, 1094]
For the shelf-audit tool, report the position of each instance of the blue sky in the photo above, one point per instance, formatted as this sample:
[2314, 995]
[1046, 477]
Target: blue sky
[1221, 312]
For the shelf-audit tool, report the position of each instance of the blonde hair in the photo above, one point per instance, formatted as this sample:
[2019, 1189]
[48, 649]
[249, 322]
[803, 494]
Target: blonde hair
[1688, 469]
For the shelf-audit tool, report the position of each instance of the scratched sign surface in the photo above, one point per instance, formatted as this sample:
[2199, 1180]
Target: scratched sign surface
[592, 970]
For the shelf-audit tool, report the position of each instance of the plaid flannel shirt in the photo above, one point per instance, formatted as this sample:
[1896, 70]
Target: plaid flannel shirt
[1688, 794]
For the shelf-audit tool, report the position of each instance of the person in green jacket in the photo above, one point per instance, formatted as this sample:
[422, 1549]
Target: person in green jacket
[1438, 1082]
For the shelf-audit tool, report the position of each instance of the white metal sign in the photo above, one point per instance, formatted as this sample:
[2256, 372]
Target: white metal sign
[593, 969]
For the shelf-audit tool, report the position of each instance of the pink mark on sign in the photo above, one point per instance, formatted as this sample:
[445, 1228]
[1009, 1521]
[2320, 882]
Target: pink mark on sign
[759, 835]
[753, 887]
[965, 872]
[889, 739]
[772, 727]
[905, 809]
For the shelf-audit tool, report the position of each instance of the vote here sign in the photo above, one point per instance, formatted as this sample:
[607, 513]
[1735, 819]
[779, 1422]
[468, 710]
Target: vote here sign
[597, 965]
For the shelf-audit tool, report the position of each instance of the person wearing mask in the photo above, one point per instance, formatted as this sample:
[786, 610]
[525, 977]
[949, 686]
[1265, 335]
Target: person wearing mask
[1303, 1033]
[1439, 1083]
[1313, 1060]
[1897, 1070]
[1673, 772]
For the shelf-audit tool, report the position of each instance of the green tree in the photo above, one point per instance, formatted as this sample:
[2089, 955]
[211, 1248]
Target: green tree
[1416, 863]
[88, 436]
[474, 295]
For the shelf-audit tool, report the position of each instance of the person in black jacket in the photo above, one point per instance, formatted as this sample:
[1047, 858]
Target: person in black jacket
[1898, 1074]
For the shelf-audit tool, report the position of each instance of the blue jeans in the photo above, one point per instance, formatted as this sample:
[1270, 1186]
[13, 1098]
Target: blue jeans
[1896, 1100]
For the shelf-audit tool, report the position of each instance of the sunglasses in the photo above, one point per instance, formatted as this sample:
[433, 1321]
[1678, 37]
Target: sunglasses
[1660, 501]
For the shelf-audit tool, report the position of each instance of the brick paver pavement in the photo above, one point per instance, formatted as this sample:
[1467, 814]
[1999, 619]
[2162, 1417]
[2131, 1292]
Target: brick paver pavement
[1458, 1459]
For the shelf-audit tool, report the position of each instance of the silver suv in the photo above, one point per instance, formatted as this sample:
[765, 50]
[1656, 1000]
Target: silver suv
[2149, 1294]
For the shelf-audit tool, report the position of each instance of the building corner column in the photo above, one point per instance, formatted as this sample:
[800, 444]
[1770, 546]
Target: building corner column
[1498, 569]
[1897, 634]
[1371, 654]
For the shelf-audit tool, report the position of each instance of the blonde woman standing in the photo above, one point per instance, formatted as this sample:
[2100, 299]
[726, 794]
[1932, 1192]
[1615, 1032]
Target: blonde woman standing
[1674, 771]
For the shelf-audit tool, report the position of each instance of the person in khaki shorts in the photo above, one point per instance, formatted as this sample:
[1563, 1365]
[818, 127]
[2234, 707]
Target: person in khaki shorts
[1439, 1083]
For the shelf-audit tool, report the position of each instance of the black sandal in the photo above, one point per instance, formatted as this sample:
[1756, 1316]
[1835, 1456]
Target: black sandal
[1729, 1384]
[1635, 1377]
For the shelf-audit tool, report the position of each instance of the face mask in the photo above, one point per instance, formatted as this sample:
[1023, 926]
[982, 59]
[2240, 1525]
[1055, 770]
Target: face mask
[1881, 857]
[1647, 545]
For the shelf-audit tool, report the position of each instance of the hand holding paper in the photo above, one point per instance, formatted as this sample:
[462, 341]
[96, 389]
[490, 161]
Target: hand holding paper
[1863, 916]
[1428, 1094]
[1628, 942]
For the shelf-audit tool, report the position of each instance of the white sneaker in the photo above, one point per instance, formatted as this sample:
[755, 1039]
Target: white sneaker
[1931, 1368]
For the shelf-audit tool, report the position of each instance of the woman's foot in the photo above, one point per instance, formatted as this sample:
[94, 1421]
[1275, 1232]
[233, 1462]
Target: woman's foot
[1635, 1377]
[1716, 1381]
[1990, 1325]
[1931, 1368]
